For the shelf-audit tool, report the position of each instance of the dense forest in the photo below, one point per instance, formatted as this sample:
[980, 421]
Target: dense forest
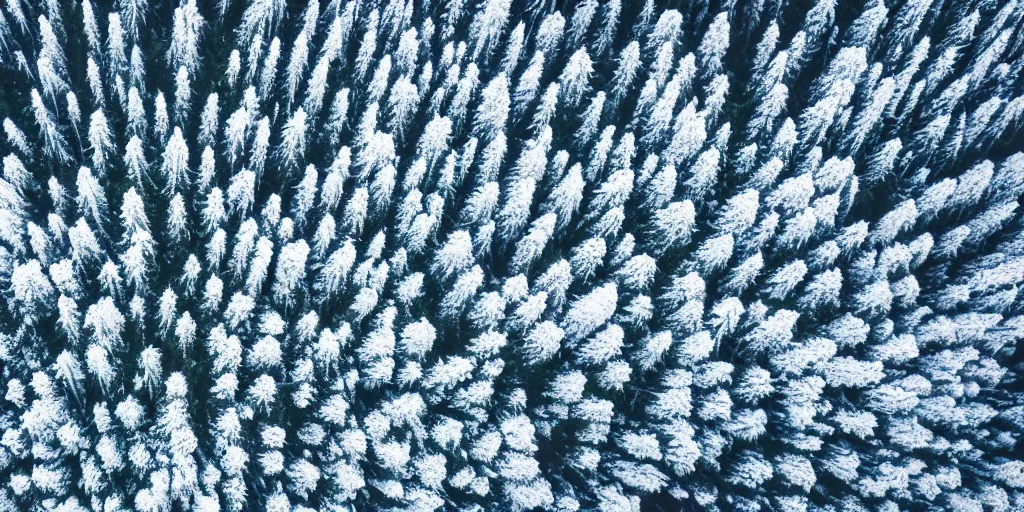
[511, 255]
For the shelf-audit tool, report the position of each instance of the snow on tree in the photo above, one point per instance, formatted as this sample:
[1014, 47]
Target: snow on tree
[492, 113]
[590, 311]
[575, 77]
[187, 24]
[290, 270]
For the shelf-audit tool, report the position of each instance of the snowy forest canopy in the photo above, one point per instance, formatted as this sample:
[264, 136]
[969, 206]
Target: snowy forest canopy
[613, 255]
